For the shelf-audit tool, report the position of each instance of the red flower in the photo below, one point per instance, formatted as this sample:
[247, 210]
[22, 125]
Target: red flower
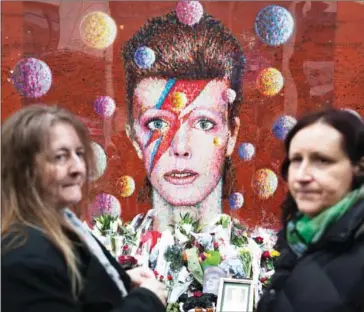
[203, 257]
[125, 247]
[259, 240]
[161, 277]
[197, 294]
[266, 255]
[169, 277]
[123, 260]
[216, 245]
[263, 279]
[155, 273]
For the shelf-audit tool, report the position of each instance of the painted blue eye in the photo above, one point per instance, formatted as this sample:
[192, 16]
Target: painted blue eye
[157, 124]
[204, 124]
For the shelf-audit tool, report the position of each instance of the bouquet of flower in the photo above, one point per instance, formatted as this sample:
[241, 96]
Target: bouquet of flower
[117, 236]
[180, 256]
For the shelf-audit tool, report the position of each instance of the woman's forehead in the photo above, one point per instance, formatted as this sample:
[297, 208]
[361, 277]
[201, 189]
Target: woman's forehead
[310, 138]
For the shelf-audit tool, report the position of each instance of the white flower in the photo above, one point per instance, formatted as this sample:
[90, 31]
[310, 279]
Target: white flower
[98, 225]
[181, 238]
[130, 228]
[114, 226]
[96, 232]
[187, 228]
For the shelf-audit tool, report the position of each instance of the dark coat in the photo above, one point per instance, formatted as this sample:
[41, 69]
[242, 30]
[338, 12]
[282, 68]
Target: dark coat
[34, 279]
[330, 275]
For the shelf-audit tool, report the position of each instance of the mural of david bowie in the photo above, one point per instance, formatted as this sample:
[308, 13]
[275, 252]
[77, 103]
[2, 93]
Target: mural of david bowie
[183, 94]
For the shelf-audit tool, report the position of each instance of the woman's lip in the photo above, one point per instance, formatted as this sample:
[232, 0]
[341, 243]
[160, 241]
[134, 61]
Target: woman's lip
[71, 185]
[307, 191]
[181, 177]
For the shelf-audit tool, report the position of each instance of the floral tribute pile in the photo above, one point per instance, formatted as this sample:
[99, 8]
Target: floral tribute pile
[180, 256]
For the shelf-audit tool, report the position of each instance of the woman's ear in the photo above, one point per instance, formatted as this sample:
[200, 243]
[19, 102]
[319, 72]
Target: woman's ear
[359, 168]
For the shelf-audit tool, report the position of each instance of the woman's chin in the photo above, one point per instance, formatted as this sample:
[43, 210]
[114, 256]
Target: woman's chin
[309, 209]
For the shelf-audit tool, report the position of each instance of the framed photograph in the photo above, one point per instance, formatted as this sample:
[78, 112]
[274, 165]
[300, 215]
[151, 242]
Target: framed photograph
[235, 295]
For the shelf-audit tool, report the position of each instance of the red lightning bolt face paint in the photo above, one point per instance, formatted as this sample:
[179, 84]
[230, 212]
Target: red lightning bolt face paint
[176, 125]
[180, 95]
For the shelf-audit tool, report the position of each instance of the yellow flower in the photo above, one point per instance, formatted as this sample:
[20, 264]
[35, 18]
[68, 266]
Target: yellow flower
[274, 253]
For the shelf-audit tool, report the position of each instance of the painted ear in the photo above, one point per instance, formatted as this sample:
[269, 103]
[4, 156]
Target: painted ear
[233, 137]
[136, 145]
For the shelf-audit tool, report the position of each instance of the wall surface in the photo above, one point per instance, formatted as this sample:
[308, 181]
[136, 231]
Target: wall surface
[322, 64]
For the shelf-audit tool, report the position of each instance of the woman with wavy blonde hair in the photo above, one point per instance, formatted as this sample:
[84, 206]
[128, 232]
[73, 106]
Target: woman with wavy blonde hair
[50, 261]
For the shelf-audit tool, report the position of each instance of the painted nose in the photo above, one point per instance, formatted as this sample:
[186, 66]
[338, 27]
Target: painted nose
[180, 146]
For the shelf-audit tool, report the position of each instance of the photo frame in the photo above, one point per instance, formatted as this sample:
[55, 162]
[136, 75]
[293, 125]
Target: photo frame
[235, 295]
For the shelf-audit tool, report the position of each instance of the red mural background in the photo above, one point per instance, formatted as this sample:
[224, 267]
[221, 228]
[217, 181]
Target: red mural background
[323, 65]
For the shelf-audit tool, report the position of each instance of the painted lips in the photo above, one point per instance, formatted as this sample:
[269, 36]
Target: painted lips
[181, 177]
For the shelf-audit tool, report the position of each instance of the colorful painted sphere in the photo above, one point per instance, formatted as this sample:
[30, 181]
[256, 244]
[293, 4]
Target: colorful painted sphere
[265, 183]
[282, 126]
[179, 100]
[105, 203]
[217, 141]
[98, 30]
[274, 25]
[101, 161]
[32, 78]
[189, 12]
[236, 201]
[144, 57]
[270, 81]
[229, 95]
[127, 186]
[246, 151]
[104, 106]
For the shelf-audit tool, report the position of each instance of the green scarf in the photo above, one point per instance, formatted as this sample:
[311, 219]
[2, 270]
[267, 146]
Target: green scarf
[303, 230]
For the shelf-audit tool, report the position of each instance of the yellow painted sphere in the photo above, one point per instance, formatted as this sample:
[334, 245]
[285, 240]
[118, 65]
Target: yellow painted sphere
[265, 183]
[270, 81]
[127, 186]
[98, 30]
[179, 100]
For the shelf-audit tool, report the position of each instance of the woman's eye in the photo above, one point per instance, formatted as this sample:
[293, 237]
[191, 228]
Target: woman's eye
[157, 124]
[295, 160]
[81, 154]
[204, 124]
[322, 160]
[60, 157]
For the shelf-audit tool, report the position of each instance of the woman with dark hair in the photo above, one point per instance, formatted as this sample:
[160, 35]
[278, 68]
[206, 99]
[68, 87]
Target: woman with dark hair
[49, 260]
[183, 92]
[321, 267]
